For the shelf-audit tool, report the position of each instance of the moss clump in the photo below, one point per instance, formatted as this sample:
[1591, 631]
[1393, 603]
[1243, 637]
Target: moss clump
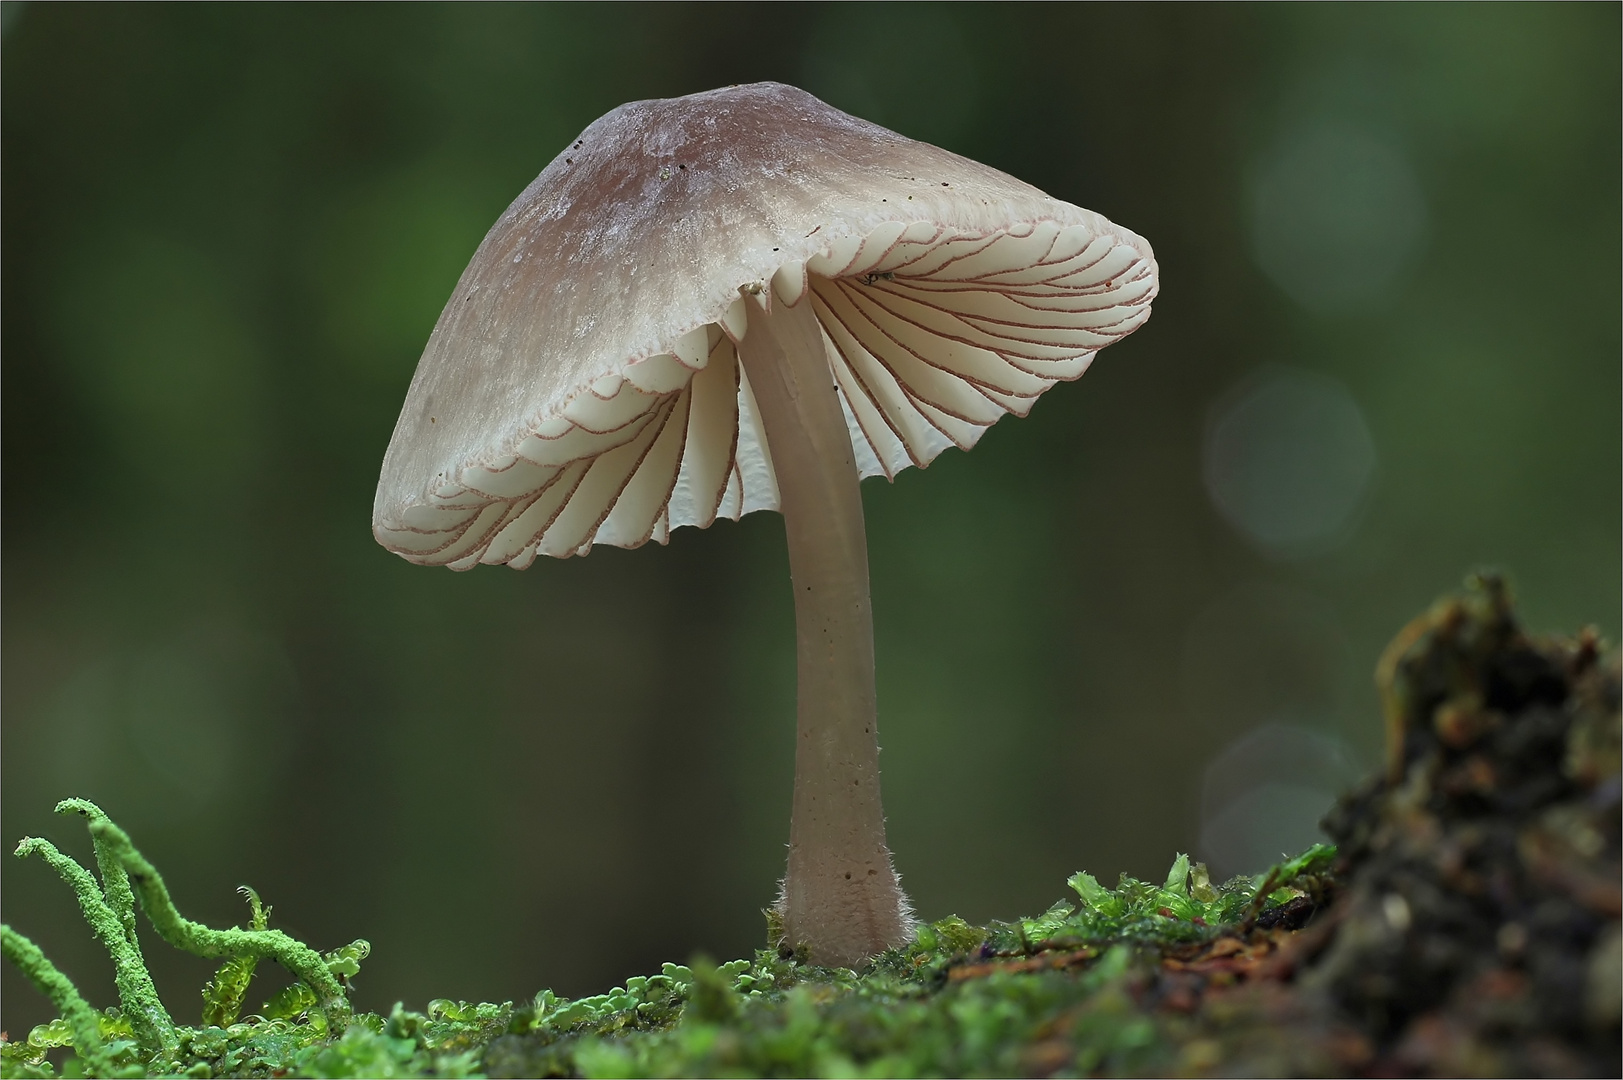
[960, 999]
[1058, 991]
[1467, 925]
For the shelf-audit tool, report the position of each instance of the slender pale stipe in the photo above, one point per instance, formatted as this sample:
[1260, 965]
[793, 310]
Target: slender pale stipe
[841, 891]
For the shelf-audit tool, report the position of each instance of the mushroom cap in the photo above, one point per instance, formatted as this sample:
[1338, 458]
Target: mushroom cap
[582, 385]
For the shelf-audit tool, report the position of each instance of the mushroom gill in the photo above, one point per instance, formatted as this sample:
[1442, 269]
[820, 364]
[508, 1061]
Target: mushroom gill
[932, 333]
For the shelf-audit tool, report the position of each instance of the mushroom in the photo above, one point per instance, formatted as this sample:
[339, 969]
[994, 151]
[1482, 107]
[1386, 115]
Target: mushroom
[747, 300]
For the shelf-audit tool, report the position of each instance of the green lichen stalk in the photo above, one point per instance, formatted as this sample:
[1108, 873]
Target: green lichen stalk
[109, 913]
[82, 1020]
[139, 1038]
[200, 940]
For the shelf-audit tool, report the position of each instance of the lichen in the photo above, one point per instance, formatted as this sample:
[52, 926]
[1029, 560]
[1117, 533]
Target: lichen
[138, 1037]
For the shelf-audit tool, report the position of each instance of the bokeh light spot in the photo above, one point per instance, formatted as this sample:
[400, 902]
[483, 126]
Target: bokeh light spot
[1288, 461]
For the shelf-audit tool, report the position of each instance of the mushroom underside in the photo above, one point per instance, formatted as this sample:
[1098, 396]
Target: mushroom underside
[931, 338]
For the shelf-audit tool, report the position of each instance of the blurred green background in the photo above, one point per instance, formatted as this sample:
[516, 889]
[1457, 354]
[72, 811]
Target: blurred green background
[1140, 621]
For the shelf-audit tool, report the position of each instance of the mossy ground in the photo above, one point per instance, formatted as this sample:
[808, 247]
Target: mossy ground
[1467, 925]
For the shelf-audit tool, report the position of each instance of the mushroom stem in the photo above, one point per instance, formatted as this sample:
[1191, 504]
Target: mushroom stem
[841, 897]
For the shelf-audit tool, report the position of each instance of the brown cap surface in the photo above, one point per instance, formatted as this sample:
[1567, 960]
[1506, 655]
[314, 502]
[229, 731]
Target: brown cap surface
[582, 384]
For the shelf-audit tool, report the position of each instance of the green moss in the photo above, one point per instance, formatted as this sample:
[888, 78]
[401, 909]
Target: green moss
[960, 999]
[138, 1037]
